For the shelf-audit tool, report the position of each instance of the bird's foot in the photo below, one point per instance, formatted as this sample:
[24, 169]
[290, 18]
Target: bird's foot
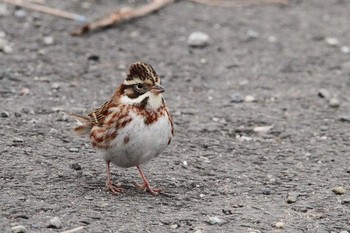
[114, 189]
[146, 188]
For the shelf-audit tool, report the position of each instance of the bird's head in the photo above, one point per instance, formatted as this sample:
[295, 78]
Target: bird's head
[142, 87]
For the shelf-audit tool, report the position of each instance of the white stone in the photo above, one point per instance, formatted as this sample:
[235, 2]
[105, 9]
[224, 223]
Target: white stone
[18, 229]
[55, 222]
[332, 41]
[249, 98]
[198, 39]
[279, 225]
[345, 49]
[48, 40]
[216, 220]
[252, 34]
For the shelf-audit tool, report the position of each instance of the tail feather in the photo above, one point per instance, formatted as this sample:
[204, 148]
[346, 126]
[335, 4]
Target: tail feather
[85, 124]
[83, 130]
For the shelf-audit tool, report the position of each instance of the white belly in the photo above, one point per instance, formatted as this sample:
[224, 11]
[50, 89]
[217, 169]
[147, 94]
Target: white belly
[137, 143]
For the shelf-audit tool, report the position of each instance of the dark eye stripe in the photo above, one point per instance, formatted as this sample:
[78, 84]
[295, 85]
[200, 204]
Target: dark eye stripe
[132, 91]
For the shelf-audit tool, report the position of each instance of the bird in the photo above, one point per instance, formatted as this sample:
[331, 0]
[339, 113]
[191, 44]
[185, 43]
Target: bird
[133, 127]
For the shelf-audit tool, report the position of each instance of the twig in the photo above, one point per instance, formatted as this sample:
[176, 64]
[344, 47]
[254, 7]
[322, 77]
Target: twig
[238, 3]
[46, 10]
[122, 15]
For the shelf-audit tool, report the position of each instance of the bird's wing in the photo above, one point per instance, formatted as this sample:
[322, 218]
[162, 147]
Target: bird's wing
[97, 117]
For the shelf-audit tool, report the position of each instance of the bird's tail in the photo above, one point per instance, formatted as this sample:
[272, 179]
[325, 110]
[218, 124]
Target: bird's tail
[84, 124]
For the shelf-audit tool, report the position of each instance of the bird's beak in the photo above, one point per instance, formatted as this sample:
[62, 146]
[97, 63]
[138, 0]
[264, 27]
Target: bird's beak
[157, 89]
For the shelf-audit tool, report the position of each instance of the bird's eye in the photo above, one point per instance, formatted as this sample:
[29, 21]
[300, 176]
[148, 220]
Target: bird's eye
[139, 86]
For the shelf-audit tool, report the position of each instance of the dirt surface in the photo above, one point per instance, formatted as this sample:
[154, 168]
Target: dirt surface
[248, 181]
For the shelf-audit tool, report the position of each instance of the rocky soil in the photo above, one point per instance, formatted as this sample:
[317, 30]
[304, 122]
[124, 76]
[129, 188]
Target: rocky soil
[261, 110]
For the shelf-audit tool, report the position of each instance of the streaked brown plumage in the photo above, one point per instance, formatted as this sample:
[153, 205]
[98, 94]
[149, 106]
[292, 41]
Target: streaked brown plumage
[134, 126]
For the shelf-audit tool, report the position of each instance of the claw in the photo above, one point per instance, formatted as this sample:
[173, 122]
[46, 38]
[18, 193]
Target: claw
[145, 186]
[110, 187]
[114, 189]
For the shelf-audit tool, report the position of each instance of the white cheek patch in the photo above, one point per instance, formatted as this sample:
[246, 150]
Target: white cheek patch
[126, 100]
[154, 102]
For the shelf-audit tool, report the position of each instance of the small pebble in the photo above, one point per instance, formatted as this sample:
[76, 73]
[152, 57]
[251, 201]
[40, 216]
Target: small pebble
[324, 128]
[252, 34]
[203, 61]
[346, 202]
[198, 39]
[75, 166]
[344, 231]
[236, 98]
[5, 46]
[3, 9]
[339, 190]
[16, 139]
[263, 129]
[20, 13]
[94, 58]
[25, 91]
[244, 138]
[334, 103]
[279, 225]
[73, 149]
[55, 222]
[345, 118]
[61, 116]
[198, 231]
[272, 39]
[254, 231]
[332, 41]
[345, 49]
[249, 98]
[227, 212]
[216, 220]
[18, 229]
[292, 197]
[48, 40]
[4, 114]
[174, 226]
[53, 131]
[323, 93]
[55, 86]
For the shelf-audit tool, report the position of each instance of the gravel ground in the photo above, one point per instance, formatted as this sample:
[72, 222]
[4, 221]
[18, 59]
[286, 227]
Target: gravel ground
[262, 119]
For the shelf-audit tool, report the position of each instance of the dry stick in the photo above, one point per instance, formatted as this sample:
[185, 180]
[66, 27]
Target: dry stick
[122, 15]
[238, 3]
[47, 10]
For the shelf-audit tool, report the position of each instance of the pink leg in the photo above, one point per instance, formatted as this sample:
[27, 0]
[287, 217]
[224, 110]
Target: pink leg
[114, 189]
[145, 185]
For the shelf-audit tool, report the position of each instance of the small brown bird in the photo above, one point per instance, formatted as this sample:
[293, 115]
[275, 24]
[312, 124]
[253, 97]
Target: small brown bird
[133, 127]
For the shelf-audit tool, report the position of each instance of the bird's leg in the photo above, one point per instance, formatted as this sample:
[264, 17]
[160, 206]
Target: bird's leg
[114, 189]
[145, 186]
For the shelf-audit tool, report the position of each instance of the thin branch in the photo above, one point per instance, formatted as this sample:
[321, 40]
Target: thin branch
[46, 10]
[122, 15]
